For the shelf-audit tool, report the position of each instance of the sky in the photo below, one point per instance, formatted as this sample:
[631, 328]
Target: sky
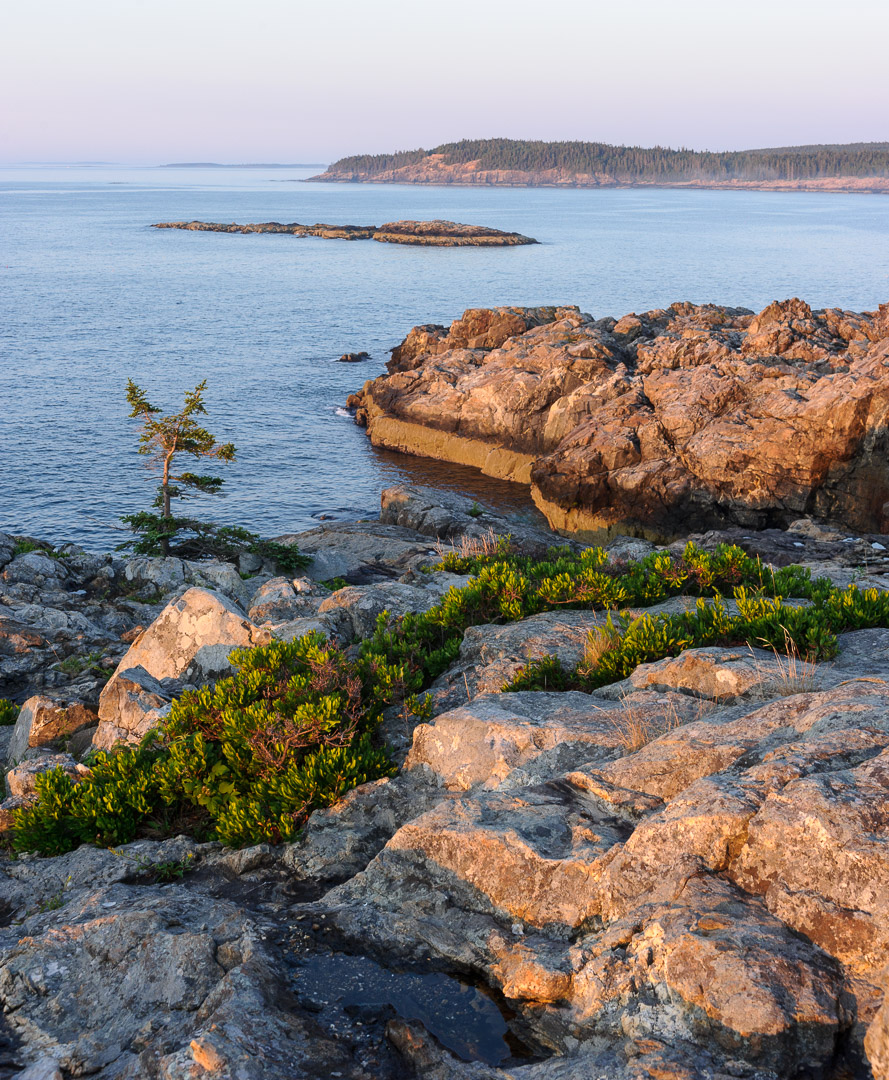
[153, 81]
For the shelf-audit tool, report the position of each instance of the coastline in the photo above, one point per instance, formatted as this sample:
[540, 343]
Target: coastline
[833, 185]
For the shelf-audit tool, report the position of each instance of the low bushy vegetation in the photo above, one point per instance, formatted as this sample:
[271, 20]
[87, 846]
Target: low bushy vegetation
[188, 538]
[9, 712]
[294, 729]
[244, 762]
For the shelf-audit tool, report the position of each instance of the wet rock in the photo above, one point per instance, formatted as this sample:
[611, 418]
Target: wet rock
[353, 358]
[110, 973]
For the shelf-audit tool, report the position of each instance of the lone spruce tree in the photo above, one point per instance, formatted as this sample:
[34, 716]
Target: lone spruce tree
[165, 440]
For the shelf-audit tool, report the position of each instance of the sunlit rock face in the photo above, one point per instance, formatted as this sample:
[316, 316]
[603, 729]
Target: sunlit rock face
[684, 419]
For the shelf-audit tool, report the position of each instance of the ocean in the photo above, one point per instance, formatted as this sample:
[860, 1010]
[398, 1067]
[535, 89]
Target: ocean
[90, 296]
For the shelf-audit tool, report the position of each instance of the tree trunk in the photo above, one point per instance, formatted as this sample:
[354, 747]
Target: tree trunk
[165, 513]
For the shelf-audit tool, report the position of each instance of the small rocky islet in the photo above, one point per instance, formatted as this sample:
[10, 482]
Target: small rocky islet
[682, 873]
[424, 233]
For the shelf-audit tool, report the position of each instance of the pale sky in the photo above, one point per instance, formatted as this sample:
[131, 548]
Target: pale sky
[151, 81]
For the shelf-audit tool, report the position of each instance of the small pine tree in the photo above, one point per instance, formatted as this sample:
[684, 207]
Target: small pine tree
[164, 439]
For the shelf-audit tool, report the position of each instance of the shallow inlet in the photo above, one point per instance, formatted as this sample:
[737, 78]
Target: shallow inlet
[463, 1018]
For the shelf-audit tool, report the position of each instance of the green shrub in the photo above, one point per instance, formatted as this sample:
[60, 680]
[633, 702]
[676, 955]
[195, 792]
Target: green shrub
[9, 712]
[335, 584]
[189, 538]
[763, 622]
[245, 762]
[293, 730]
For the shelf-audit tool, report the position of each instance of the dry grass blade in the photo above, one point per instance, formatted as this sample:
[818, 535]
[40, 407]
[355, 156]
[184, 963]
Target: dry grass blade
[791, 675]
[599, 641]
[471, 547]
[637, 725]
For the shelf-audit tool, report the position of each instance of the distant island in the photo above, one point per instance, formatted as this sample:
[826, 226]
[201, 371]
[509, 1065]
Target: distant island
[427, 233]
[519, 163]
[244, 165]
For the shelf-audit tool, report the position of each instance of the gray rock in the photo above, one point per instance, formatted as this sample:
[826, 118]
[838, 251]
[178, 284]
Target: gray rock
[279, 601]
[7, 548]
[34, 568]
[448, 516]
[491, 655]
[132, 704]
[193, 637]
[362, 552]
[21, 779]
[526, 737]
[357, 607]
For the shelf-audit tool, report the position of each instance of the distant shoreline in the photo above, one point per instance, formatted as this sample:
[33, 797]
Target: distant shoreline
[245, 165]
[852, 168]
[851, 185]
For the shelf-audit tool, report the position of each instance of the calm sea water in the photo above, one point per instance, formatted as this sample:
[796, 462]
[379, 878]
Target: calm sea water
[90, 295]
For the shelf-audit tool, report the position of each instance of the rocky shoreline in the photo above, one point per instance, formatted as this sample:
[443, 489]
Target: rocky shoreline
[425, 233]
[437, 171]
[684, 874]
[678, 420]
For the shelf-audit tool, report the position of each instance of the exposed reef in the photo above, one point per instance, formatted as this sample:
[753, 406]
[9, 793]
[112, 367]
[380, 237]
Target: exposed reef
[689, 418]
[427, 233]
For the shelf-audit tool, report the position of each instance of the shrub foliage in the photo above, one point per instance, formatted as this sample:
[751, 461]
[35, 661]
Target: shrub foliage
[294, 729]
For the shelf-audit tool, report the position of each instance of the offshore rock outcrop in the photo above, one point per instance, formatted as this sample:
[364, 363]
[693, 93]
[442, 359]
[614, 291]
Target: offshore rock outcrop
[426, 233]
[684, 419]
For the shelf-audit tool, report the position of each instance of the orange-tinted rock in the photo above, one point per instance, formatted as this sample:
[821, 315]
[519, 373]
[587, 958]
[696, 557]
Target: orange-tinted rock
[676, 420]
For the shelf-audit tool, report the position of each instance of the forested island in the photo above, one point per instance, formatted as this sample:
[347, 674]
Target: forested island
[519, 162]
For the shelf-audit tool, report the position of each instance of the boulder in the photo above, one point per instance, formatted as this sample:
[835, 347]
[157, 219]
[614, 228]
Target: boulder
[8, 808]
[7, 549]
[727, 674]
[356, 608]
[491, 654]
[448, 516]
[169, 574]
[35, 568]
[523, 737]
[132, 704]
[45, 721]
[21, 780]
[361, 552]
[280, 600]
[192, 638]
